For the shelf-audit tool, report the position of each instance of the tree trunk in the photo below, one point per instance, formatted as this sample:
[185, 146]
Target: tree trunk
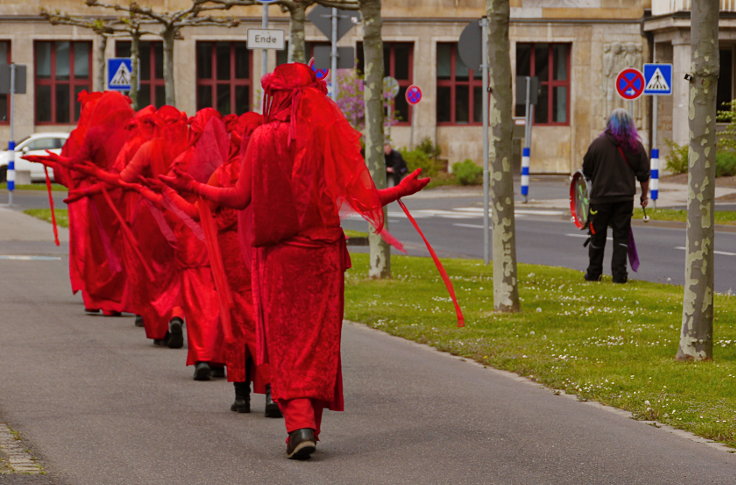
[297, 50]
[380, 252]
[696, 337]
[102, 60]
[135, 56]
[168, 36]
[505, 283]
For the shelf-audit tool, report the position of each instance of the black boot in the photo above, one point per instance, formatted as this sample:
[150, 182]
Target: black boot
[139, 321]
[301, 444]
[202, 371]
[272, 409]
[175, 335]
[242, 397]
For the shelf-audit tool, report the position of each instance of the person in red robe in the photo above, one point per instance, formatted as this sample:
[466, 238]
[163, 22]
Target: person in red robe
[300, 168]
[95, 247]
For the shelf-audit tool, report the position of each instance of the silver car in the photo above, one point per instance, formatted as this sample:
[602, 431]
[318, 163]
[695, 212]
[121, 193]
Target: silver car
[35, 144]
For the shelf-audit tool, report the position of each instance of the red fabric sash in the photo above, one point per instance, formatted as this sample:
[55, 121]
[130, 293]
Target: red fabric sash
[51, 206]
[217, 267]
[440, 268]
[128, 234]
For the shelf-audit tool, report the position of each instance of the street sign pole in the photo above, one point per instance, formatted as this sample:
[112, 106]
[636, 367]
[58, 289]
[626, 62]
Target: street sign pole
[11, 141]
[654, 168]
[333, 55]
[486, 154]
[526, 151]
[264, 52]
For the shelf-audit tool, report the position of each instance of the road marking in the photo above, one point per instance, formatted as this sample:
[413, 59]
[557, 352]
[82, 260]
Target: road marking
[722, 253]
[586, 236]
[16, 257]
[472, 226]
[462, 213]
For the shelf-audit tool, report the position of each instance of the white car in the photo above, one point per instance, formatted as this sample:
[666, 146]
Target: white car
[35, 144]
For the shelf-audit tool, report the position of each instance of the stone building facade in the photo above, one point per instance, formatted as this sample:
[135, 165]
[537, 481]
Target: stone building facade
[575, 47]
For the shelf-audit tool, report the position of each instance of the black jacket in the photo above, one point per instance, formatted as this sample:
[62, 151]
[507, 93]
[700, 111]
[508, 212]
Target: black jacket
[612, 178]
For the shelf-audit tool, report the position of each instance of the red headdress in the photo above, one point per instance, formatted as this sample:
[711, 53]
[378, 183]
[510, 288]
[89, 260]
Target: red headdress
[327, 149]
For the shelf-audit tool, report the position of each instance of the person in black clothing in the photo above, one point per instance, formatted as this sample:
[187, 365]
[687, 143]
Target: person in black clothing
[395, 165]
[613, 163]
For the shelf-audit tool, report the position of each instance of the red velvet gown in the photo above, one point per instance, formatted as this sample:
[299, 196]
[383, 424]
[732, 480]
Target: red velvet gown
[300, 167]
[95, 247]
[150, 153]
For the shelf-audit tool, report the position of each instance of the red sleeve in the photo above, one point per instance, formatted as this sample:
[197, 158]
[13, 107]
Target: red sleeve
[235, 197]
[138, 164]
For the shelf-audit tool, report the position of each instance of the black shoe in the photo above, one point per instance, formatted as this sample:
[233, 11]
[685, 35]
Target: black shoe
[139, 321]
[202, 372]
[620, 279]
[272, 409]
[590, 277]
[92, 311]
[301, 444]
[160, 341]
[217, 370]
[242, 397]
[175, 337]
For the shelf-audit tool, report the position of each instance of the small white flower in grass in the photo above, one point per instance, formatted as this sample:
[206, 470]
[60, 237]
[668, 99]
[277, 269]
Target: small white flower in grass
[539, 310]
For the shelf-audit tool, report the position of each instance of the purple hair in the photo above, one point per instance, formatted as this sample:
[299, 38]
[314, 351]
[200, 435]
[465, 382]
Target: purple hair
[622, 129]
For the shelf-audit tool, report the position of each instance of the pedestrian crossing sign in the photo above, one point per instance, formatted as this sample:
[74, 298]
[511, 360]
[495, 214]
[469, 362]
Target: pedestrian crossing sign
[119, 72]
[658, 78]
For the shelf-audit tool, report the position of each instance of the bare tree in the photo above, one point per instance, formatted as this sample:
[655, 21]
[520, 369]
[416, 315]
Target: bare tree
[380, 252]
[696, 337]
[130, 26]
[297, 18]
[505, 283]
[171, 24]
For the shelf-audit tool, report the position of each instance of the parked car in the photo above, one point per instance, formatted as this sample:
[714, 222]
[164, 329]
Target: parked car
[35, 144]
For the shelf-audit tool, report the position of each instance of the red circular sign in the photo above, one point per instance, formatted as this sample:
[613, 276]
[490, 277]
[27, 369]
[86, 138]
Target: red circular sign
[630, 83]
[413, 94]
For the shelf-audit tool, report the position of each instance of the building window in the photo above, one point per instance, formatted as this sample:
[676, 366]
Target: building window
[398, 62]
[724, 95]
[62, 71]
[152, 88]
[459, 95]
[4, 98]
[551, 64]
[224, 76]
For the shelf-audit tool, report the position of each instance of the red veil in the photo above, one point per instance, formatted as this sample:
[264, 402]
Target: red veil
[326, 149]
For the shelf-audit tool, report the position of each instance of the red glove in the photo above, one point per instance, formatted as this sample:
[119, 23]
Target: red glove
[408, 185]
[181, 181]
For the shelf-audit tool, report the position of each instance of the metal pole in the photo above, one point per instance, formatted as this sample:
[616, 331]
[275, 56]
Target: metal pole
[486, 154]
[264, 52]
[411, 132]
[526, 151]
[11, 141]
[654, 169]
[333, 55]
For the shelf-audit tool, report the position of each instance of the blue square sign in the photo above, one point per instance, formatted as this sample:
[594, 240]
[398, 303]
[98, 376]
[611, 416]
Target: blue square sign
[119, 71]
[658, 78]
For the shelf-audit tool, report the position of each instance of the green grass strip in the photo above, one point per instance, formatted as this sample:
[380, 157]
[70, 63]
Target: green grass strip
[721, 217]
[614, 344]
[38, 186]
[62, 215]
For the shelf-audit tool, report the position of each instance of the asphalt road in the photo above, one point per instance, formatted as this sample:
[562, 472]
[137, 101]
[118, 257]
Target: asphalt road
[96, 403]
[545, 235]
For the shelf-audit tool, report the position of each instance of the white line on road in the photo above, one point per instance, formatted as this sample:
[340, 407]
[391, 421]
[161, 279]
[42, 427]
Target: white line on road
[14, 257]
[722, 253]
[472, 226]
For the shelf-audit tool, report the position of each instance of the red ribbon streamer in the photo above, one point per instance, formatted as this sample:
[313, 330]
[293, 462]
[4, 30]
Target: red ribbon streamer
[129, 234]
[440, 268]
[51, 206]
